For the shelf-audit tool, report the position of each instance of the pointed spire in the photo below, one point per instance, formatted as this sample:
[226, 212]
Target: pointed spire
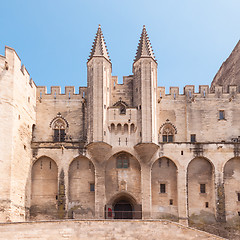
[144, 47]
[99, 48]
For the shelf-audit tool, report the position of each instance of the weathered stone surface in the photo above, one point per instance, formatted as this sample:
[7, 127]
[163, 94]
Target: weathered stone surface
[102, 230]
[229, 72]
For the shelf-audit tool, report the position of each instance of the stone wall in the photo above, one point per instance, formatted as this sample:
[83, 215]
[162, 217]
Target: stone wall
[101, 230]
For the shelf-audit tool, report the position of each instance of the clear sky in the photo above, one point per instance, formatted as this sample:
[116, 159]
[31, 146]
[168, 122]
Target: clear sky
[190, 38]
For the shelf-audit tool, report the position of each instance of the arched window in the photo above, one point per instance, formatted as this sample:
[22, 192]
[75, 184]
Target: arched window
[168, 133]
[121, 105]
[59, 130]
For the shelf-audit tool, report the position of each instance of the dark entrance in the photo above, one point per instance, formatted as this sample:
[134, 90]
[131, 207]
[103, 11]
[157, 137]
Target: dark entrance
[123, 210]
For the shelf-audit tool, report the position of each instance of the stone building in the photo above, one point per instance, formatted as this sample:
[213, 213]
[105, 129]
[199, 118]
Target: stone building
[119, 150]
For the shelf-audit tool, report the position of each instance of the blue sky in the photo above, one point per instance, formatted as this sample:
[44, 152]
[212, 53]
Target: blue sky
[190, 38]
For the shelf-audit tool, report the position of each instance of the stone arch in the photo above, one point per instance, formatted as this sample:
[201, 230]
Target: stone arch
[167, 132]
[164, 189]
[81, 180]
[59, 126]
[119, 128]
[125, 128]
[201, 190]
[44, 189]
[123, 206]
[112, 128]
[132, 128]
[231, 179]
[123, 174]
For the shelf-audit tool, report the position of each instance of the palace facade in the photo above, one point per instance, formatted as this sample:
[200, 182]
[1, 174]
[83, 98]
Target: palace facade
[119, 150]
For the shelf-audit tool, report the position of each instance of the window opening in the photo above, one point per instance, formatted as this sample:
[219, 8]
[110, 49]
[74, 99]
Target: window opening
[221, 115]
[162, 188]
[238, 195]
[171, 202]
[202, 188]
[193, 138]
[59, 131]
[206, 204]
[92, 187]
[122, 161]
[168, 133]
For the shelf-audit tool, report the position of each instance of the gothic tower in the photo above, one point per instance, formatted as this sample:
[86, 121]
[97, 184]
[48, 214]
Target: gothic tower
[145, 87]
[99, 74]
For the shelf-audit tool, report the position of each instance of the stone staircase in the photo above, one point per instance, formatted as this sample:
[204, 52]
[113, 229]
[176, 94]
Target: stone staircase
[101, 230]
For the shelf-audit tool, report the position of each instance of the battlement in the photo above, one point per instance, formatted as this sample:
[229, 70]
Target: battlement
[126, 81]
[12, 62]
[56, 93]
[204, 91]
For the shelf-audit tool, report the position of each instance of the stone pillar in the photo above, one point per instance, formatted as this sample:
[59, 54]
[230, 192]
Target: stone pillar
[100, 198]
[61, 195]
[182, 196]
[220, 197]
[146, 191]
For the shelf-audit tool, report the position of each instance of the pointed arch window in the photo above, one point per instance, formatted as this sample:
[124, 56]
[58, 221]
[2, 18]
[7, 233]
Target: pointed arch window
[59, 129]
[167, 132]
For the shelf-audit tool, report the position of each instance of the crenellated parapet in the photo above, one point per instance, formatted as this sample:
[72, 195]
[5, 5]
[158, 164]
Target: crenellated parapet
[57, 94]
[11, 62]
[204, 92]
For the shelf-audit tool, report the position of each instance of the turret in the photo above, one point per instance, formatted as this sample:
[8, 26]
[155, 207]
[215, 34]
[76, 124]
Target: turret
[144, 88]
[99, 74]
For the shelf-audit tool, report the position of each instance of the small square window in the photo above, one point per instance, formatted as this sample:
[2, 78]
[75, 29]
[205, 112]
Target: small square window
[92, 187]
[193, 138]
[162, 188]
[221, 115]
[202, 188]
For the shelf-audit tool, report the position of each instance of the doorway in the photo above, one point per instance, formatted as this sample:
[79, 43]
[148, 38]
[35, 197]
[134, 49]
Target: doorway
[123, 210]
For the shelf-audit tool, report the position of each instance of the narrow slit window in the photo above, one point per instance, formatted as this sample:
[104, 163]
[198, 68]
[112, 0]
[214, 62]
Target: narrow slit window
[221, 115]
[92, 187]
[238, 196]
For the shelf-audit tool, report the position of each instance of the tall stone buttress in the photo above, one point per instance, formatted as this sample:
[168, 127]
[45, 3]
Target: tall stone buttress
[99, 74]
[145, 88]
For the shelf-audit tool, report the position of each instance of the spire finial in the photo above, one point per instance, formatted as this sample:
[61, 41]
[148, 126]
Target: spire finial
[99, 48]
[144, 47]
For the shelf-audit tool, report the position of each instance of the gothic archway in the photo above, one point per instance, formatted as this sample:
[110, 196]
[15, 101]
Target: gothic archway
[123, 208]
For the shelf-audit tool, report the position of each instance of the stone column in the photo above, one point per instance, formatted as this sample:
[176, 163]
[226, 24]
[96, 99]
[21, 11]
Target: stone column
[220, 197]
[182, 196]
[100, 198]
[146, 191]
